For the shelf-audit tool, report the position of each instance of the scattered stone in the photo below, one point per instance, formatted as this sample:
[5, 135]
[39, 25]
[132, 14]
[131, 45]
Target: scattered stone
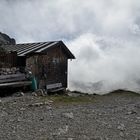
[3, 114]
[137, 105]
[121, 127]
[70, 138]
[137, 139]
[106, 138]
[39, 104]
[13, 131]
[18, 94]
[34, 94]
[100, 114]
[97, 138]
[121, 134]
[70, 122]
[109, 126]
[41, 119]
[39, 92]
[36, 104]
[45, 92]
[131, 112]
[69, 115]
[22, 109]
[138, 118]
[49, 107]
[50, 101]
[19, 120]
[63, 130]
[22, 93]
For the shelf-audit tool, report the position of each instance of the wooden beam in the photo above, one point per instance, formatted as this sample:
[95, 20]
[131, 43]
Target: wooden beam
[16, 84]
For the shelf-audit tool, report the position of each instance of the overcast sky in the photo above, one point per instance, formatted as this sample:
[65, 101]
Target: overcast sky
[104, 35]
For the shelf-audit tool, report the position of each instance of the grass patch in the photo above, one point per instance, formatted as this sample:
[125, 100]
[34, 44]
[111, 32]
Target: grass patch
[63, 99]
[123, 92]
[87, 99]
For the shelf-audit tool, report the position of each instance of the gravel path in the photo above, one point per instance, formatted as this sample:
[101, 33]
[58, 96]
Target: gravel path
[110, 117]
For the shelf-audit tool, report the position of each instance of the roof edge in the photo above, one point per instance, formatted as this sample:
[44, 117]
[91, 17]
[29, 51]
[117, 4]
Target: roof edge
[70, 54]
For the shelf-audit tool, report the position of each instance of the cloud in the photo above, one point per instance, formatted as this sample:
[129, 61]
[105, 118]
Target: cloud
[104, 36]
[105, 68]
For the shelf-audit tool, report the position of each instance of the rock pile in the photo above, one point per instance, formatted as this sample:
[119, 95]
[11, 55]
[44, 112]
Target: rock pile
[8, 71]
[40, 92]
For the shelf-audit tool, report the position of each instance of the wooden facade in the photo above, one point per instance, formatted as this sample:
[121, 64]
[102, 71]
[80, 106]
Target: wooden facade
[47, 61]
[49, 68]
[8, 59]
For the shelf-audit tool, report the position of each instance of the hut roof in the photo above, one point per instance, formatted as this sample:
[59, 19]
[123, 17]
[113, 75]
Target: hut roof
[26, 49]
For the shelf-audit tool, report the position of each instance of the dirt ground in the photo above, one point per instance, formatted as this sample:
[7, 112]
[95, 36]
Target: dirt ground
[115, 116]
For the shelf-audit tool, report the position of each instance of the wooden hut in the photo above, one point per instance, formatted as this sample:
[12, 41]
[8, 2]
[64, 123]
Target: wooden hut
[48, 62]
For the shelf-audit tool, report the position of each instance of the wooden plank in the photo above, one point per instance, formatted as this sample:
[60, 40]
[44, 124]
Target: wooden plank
[16, 84]
[58, 89]
[56, 85]
[12, 79]
[11, 76]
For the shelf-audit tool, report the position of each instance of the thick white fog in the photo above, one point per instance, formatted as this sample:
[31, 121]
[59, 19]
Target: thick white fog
[103, 35]
[104, 64]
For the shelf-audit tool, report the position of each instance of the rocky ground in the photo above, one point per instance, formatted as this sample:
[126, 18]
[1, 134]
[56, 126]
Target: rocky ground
[114, 116]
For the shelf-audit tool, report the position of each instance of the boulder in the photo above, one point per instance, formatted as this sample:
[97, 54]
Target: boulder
[5, 39]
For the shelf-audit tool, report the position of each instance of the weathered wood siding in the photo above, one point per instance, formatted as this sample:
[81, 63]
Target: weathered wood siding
[49, 68]
[8, 59]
